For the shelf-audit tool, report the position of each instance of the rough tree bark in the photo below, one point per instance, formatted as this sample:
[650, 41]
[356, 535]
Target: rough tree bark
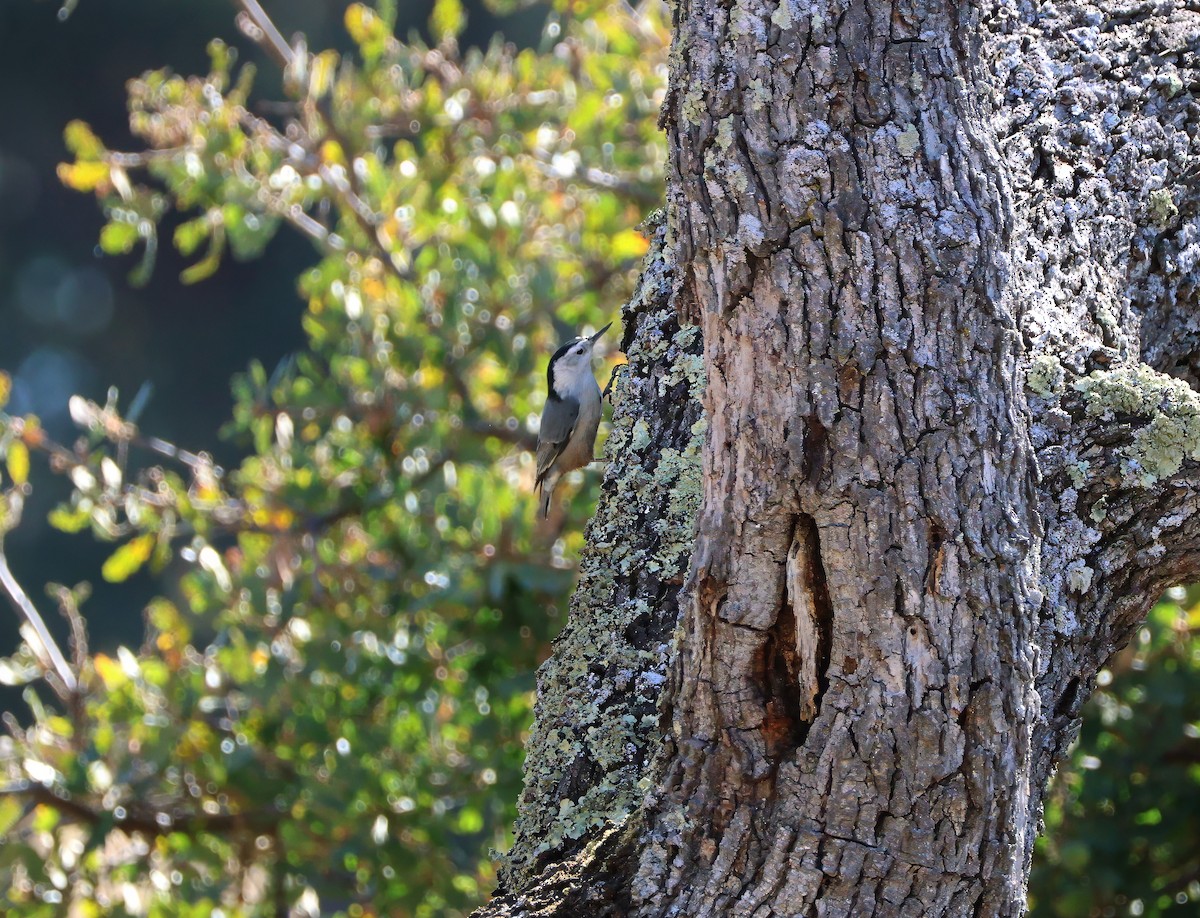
[834, 630]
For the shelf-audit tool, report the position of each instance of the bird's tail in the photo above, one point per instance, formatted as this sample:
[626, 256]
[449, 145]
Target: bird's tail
[545, 489]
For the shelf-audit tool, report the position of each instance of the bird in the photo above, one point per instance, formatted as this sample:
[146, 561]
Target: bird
[571, 417]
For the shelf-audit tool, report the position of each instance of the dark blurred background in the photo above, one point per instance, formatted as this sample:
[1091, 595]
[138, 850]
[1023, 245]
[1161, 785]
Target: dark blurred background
[69, 320]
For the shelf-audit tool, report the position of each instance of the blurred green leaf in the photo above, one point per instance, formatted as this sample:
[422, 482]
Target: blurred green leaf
[68, 520]
[10, 811]
[128, 559]
[118, 238]
[447, 20]
[17, 462]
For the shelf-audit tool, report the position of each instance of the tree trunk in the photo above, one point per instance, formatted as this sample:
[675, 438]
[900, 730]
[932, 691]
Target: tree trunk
[942, 256]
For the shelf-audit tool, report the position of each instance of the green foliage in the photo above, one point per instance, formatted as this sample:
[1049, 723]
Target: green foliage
[1121, 820]
[331, 701]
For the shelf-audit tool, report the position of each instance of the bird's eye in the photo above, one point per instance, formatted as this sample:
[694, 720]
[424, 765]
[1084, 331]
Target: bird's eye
[578, 350]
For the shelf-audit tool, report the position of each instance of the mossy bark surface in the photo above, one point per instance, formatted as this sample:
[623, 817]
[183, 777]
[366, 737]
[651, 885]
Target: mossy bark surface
[943, 258]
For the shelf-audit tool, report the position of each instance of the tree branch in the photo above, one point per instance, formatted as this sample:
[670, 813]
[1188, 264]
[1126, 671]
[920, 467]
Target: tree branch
[138, 821]
[45, 647]
[1107, 287]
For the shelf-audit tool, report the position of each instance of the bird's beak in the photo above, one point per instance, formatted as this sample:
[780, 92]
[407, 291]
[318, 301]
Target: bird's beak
[596, 336]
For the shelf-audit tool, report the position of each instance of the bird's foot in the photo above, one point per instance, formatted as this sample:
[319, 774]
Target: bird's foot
[616, 371]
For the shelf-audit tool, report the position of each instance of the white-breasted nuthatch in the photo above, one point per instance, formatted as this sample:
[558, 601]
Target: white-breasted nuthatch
[567, 435]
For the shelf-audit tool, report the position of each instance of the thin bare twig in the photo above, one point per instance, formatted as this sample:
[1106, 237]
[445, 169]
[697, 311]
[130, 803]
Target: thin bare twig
[121, 432]
[140, 160]
[171, 451]
[68, 606]
[598, 178]
[49, 651]
[269, 38]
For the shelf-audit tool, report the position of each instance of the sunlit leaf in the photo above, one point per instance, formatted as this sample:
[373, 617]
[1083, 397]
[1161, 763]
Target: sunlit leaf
[190, 235]
[128, 559]
[83, 176]
[19, 670]
[109, 671]
[118, 238]
[321, 72]
[368, 29]
[66, 519]
[17, 462]
[82, 141]
[629, 244]
[448, 19]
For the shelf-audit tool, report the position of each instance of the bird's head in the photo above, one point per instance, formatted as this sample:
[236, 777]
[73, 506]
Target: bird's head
[571, 365]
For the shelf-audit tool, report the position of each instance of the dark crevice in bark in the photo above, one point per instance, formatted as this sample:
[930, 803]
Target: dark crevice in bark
[794, 659]
[821, 605]
[815, 449]
[1068, 704]
[937, 555]
[779, 674]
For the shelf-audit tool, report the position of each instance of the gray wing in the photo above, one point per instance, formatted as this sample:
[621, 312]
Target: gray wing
[558, 420]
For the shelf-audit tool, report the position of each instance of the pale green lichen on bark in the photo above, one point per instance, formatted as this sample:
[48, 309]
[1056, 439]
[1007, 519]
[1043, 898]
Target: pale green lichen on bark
[1078, 472]
[782, 16]
[1162, 208]
[725, 134]
[760, 94]
[1046, 376]
[908, 141]
[682, 471]
[640, 437]
[694, 108]
[1079, 577]
[1159, 448]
